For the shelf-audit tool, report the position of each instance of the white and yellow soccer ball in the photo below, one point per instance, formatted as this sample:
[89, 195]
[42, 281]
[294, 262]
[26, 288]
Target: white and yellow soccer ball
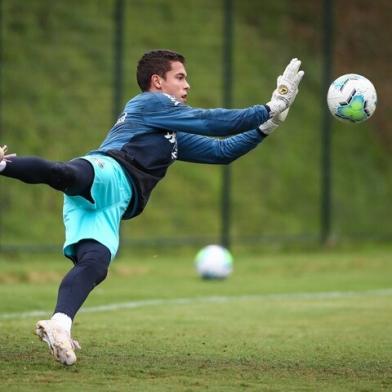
[214, 262]
[352, 98]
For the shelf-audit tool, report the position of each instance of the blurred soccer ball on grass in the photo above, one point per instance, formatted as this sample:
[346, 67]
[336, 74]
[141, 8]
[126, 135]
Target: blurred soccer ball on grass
[214, 262]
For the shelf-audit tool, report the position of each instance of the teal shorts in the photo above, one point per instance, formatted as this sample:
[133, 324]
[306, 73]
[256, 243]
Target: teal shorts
[100, 221]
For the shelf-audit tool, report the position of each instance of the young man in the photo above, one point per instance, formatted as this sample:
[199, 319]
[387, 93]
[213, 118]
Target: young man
[114, 182]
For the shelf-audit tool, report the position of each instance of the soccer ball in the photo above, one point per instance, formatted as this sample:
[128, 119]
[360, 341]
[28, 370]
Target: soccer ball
[214, 262]
[352, 98]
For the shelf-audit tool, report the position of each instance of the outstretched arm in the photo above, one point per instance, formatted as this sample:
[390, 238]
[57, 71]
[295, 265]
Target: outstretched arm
[165, 112]
[202, 149]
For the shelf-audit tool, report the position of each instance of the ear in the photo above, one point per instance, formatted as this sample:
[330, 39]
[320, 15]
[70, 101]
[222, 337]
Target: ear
[156, 81]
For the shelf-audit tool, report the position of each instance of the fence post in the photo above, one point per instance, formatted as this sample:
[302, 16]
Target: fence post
[227, 103]
[118, 75]
[326, 136]
[1, 112]
[118, 57]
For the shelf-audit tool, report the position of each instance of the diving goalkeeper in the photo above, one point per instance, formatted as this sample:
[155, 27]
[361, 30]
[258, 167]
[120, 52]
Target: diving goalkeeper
[114, 181]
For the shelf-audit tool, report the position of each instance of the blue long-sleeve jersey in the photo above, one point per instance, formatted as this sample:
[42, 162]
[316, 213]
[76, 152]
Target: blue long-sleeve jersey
[155, 129]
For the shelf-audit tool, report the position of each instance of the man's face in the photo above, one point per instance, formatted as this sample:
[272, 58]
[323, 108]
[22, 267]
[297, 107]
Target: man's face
[175, 82]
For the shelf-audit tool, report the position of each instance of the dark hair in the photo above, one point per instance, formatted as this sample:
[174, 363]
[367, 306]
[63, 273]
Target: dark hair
[155, 62]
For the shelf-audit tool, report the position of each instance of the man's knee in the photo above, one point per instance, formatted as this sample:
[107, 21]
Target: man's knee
[62, 176]
[94, 258]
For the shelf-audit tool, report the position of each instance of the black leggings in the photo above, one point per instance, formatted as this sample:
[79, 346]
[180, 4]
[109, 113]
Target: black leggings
[74, 178]
[92, 261]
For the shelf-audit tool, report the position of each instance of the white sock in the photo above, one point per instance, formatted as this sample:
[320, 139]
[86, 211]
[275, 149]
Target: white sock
[64, 320]
[3, 164]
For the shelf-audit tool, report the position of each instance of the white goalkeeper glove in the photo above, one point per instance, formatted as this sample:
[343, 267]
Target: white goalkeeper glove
[269, 126]
[286, 89]
[4, 158]
[3, 154]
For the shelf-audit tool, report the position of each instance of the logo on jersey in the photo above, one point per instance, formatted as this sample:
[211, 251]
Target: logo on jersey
[174, 100]
[121, 119]
[172, 138]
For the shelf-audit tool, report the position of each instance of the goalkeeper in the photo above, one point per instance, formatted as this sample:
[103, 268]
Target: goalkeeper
[114, 182]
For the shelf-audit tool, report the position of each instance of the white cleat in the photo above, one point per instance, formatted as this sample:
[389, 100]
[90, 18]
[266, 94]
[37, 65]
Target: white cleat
[59, 341]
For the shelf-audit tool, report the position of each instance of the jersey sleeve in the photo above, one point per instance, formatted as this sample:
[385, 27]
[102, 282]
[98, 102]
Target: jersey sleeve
[203, 149]
[164, 112]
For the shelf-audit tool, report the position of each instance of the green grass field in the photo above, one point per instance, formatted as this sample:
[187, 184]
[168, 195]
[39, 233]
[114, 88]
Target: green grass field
[317, 321]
